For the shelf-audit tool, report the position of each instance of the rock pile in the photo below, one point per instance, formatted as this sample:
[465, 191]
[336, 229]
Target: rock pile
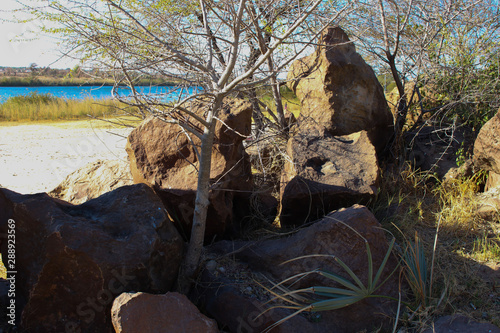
[72, 261]
[340, 234]
[101, 255]
[344, 120]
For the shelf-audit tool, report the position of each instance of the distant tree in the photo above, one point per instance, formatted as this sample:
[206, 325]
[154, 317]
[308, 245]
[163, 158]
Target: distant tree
[33, 68]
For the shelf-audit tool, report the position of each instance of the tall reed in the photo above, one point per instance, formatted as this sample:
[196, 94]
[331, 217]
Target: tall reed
[35, 107]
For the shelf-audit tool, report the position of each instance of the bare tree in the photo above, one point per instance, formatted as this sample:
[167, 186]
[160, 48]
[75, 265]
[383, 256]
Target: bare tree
[204, 44]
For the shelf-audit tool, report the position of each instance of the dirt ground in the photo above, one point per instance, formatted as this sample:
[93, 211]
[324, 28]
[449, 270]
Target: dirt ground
[37, 157]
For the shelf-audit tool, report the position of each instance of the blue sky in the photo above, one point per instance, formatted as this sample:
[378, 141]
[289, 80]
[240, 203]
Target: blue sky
[42, 50]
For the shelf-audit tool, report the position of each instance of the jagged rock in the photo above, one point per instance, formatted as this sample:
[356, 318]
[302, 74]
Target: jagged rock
[93, 180]
[326, 172]
[487, 150]
[163, 157]
[171, 312]
[338, 90]
[231, 296]
[72, 261]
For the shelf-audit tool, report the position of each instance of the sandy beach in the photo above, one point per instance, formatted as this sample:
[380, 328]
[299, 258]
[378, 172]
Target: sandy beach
[37, 157]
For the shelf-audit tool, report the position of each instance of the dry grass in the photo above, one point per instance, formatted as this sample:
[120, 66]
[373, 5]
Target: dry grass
[44, 107]
[290, 101]
[3, 270]
[467, 246]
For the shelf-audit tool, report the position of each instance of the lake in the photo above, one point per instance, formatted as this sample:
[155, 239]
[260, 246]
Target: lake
[165, 93]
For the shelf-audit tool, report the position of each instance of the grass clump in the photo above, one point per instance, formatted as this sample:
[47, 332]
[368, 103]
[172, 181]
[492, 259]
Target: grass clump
[36, 107]
[448, 264]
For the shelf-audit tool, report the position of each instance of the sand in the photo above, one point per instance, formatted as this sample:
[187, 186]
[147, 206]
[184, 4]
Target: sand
[37, 157]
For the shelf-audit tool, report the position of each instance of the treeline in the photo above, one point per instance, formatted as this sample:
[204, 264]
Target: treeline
[34, 76]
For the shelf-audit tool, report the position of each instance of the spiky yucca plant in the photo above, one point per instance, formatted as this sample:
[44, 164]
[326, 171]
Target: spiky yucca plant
[322, 298]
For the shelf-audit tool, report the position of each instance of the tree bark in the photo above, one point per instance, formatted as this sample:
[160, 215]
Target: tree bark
[192, 258]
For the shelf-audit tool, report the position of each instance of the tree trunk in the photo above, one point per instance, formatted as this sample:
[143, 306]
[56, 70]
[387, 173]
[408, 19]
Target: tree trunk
[191, 261]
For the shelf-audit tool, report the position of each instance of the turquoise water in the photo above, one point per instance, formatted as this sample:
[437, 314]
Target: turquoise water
[165, 93]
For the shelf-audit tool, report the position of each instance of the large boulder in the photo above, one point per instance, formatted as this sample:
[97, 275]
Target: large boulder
[93, 180]
[231, 296]
[72, 261]
[487, 150]
[340, 91]
[325, 172]
[171, 312]
[162, 156]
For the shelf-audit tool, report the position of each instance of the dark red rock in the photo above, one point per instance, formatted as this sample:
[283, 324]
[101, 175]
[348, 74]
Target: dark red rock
[335, 234]
[339, 91]
[326, 172]
[162, 156]
[72, 261]
[169, 313]
[487, 150]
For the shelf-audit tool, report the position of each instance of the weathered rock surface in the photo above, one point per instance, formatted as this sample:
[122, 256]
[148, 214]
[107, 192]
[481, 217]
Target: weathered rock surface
[72, 261]
[489, 204]
[461, 324]
[168, 313]
[487, 146]
[432, 148]
[487, 150]
[93, 180]
[162, 157]
[234, 300]
[338, 90]
[326, 172]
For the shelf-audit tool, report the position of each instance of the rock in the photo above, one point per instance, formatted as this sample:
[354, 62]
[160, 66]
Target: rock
[162, 157]
[239, 309]
[326, 172]
[487, 146]
[169, 313]
[489, 204]
[225, 292]
[466, 170]
[93, 180]
[338, 90]
[460, 324]
[72, 261]
[435, 149]
[492, 181]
